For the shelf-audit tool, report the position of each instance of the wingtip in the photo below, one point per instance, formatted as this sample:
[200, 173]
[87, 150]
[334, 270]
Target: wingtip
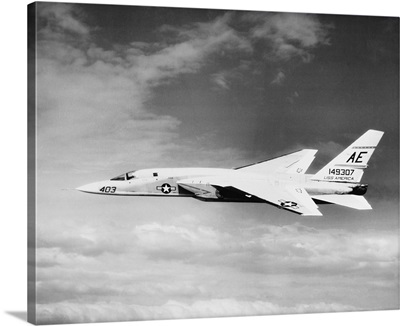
[312, 214]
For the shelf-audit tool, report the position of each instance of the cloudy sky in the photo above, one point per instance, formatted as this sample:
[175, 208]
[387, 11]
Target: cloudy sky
[124, 88]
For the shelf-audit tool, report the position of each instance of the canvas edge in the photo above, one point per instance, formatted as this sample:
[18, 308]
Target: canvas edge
[31, 155]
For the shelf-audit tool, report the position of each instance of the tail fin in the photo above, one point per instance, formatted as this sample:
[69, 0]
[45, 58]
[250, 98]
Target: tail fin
[349, 165]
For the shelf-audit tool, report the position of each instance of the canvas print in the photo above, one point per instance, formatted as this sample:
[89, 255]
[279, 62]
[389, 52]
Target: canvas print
[189, 163]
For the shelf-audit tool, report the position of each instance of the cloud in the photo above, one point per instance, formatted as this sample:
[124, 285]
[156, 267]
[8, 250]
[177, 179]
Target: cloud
[92, 246]
[92, 101]
[193, 43]
[78, 313]
[219, 31]
[221, 81]
[170, 266]
[63, 17]
[291, 247]
[279, 78]
[289, 35]
[172, 242]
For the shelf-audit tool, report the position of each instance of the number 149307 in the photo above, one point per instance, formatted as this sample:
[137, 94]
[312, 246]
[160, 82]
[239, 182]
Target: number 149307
[341, 171]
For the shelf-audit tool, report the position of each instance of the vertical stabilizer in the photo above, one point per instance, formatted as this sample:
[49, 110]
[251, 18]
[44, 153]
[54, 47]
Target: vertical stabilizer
[349, 165]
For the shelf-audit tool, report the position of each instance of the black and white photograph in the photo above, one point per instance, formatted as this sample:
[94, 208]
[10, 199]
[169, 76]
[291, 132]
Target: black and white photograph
[198, 163]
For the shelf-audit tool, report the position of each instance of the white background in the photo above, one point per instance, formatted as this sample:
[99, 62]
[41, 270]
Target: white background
[13, 158]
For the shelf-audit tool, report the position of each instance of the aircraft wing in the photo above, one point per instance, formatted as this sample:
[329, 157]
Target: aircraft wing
[297, 162]
[294, 199]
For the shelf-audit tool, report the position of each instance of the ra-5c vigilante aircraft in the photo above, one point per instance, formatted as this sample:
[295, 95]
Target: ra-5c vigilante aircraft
[281, 181]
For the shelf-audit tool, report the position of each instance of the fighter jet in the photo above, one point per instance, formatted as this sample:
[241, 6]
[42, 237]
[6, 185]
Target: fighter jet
[281, 181]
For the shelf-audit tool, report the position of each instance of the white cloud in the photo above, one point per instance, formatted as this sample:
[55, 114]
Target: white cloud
[195, 265]
[289, 35]
[173, 242]
[78, 313]
[291, 247]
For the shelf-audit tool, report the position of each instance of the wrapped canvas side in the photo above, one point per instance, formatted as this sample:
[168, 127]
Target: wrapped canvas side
[32, 163]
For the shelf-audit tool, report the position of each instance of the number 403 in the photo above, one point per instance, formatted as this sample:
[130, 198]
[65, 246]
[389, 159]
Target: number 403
[108, 189]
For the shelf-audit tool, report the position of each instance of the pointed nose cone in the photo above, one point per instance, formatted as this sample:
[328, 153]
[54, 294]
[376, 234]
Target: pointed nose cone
[92, 188]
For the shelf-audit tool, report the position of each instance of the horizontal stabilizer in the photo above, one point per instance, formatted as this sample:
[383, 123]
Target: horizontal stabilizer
[352, 201]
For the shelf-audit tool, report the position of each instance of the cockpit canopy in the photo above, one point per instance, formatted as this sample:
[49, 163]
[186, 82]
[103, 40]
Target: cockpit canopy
[125, 176]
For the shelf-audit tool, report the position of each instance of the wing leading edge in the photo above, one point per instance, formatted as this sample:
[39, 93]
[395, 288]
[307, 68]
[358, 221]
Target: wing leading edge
[296, 162]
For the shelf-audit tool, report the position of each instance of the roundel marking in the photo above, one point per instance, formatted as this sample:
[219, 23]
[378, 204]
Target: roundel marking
[166, 188]
[288, 204]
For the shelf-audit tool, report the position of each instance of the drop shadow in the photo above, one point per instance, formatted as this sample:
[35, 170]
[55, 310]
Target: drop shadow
[22, 315]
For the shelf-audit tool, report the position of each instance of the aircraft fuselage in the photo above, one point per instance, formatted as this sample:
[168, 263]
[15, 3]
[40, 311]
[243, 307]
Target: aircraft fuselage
[167, 182]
